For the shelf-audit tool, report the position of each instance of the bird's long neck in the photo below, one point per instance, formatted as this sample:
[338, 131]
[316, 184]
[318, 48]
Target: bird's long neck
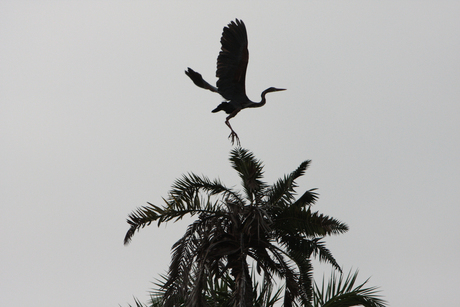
[262, 102]
[252, 104]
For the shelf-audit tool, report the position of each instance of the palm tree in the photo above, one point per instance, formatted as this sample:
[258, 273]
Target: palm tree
[265, 223]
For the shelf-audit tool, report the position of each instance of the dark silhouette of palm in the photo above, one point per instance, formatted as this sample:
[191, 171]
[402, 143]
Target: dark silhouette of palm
[265, 223]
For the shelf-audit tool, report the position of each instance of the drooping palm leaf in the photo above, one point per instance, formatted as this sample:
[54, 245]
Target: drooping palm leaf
[185, 198]
[185, 188]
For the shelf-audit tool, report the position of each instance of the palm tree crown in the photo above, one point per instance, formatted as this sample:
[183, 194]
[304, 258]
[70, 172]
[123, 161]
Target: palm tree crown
[264, 227]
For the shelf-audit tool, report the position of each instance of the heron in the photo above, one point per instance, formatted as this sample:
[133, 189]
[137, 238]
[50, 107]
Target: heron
[232, 63]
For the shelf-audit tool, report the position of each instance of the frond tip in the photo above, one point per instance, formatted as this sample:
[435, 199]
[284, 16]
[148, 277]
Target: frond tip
[140, 218]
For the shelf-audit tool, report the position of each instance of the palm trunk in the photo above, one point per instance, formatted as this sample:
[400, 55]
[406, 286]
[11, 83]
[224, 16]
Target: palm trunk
[243, 293]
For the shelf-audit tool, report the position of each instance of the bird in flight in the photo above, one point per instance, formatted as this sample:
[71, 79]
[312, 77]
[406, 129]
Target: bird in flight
[231, 73]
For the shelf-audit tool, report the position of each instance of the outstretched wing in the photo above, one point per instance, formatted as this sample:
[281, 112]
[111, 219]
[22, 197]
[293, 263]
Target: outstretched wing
[233, 61]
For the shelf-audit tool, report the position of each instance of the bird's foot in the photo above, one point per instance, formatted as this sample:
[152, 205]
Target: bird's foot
[234, 137]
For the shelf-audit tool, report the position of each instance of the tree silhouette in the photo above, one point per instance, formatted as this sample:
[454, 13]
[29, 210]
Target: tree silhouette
[264, 227]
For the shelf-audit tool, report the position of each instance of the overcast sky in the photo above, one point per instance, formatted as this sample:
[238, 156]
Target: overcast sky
[97, 117]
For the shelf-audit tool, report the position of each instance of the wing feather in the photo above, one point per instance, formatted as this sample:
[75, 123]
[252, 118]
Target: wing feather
[232, 61]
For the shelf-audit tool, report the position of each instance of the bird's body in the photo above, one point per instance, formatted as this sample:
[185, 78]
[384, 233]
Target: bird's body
[232, 63]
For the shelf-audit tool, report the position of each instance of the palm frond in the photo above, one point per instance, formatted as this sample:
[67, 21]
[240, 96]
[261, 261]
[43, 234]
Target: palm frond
[286, 270]
[291, 220]
[320, 251]
[250, 171]
[342, 292]
[185, 189]
[305, 269]
[173, 210]
[181, 264]
[309, 224]
[264, 295]
[307, 199]
[186, 265]
[282, 192]
[140, 218]
[325, 225]
[184, 199]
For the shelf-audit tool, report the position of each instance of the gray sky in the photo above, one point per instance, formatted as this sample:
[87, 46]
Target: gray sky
[97, 117]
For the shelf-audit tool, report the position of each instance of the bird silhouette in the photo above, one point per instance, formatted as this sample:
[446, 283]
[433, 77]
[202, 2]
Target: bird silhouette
[232, 63]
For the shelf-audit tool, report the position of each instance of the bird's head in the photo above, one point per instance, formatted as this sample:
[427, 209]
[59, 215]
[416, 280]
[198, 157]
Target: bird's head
[274, 89]
[268, 90]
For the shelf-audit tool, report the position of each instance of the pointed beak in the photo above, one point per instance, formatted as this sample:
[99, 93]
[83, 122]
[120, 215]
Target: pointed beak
[280, 89]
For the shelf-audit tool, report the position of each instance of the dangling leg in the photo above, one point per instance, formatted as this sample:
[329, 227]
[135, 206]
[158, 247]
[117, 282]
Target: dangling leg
[233, 134]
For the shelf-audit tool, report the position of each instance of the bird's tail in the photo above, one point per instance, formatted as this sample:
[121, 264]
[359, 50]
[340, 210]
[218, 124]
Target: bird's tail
[224, 106]
[199, 81]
